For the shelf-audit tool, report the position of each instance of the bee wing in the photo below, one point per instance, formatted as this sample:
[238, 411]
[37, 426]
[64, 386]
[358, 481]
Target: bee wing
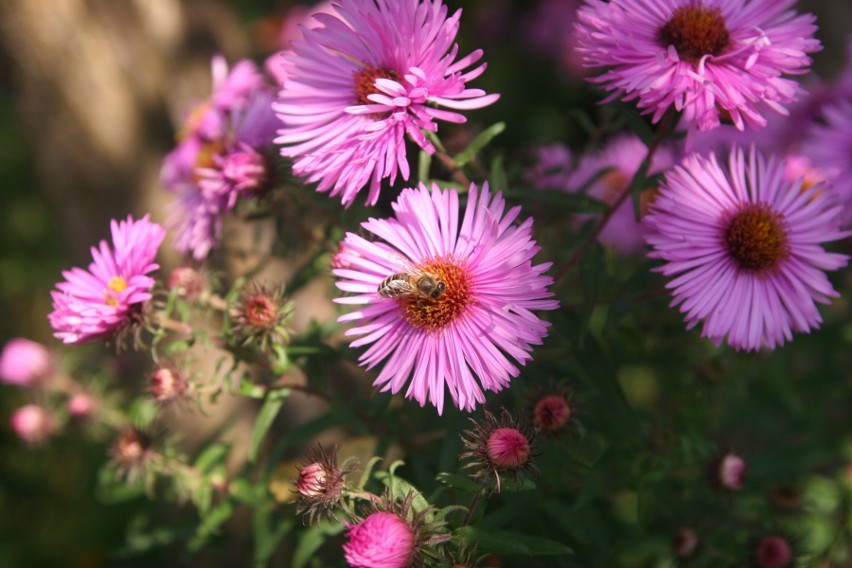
[396, 288]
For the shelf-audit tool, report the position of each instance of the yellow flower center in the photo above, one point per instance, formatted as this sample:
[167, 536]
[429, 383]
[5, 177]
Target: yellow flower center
[115, 286]
[757, 238]
[437, 313]
[696, 31]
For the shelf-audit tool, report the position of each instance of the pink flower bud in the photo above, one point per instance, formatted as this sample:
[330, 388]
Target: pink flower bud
[25, 363]
[82, 406]
[312, 481]
[168, 384]
[774, 552]
[551, 412]
[685, 543]
[382, 540]
[731, 472]
[33, 423]
[187, 281]
[508, 448]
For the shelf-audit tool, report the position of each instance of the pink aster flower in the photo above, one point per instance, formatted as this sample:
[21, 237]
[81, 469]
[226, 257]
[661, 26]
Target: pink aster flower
[382, 540]
[829, 146]
[711, 59]
[622, 157]
[743, 248]
[449, 305]
[24, 362]
[222, 155]
[96, 303]
[364, 79]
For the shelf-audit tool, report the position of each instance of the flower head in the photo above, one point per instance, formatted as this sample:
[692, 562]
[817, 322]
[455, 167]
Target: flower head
[82, 406]
[33, 424]
[132, 453]
[498, 447]
[743, 246]
[24, 362]
[222, 155]
[361, 81]
[321, 482]
[829, 146]
[261, 315]
[552, 410]
[728, 472]
[382, 540]
[711, 59]
[773, 551]
[168, 384]
[108, 297]
[477, 315]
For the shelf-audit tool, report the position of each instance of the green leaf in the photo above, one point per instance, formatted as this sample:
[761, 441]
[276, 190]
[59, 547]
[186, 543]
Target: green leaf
[211, 456]
[250, 390]
[567, 202]
[497, 176]
[368, 469]
[401, 488]
[508, 542]
[424, 162]
[458, 481]
[312, 539]
[244, 492]
[265, 418]
[478, 143]
[210, 524]
[112, 489]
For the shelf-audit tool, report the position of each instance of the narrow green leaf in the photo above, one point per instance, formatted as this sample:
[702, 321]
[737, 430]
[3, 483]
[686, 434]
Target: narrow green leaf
[211, 456]
[458, 481]
[312, 539]
[508, 542]
[265, 417]
[368, 469]
[401, 488]
[210, 524]
[424, 162]
[478, 143]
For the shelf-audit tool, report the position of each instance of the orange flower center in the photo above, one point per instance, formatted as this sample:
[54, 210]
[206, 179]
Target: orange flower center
[261, 312]
[696, 31]
[365, 82]
[437, 313]
[756, 238]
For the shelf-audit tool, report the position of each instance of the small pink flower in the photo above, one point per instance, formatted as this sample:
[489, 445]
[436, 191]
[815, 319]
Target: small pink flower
[321, 483]
[312, 480]
[25, 363]
[731, 472]
[774, 552]
[108, 297]
[382, 540]
[33, 424]
[508, 448]
[82, 406]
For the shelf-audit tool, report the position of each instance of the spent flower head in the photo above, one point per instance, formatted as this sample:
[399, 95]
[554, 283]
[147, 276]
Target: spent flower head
[260, 315]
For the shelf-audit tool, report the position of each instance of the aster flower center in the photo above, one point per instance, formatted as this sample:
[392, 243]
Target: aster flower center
[261, 312]
[204, 158]
[365, 82]
[115, 286]
[695, 31]
[438, 313]
[756, 238]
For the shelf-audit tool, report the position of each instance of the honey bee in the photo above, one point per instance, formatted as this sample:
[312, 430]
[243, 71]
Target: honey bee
[413, 283]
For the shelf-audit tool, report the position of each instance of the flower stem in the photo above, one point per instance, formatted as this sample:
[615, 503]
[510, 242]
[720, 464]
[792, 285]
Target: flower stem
[450, 164]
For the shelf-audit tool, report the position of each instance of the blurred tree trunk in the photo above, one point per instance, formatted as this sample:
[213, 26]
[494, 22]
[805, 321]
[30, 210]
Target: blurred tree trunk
[99, 85]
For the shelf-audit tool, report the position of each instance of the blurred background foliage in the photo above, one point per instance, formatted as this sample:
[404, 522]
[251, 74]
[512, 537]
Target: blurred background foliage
[74, 154]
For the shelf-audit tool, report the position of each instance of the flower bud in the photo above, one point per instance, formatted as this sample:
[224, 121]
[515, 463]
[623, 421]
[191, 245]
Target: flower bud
[382, 540]
[168, 384]
[551, 413]
[730, 471]
[33, 424]
[25, 363]
[774, 552]
[82, 406]
[685, 543]
[508, 448]
[187, 281]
